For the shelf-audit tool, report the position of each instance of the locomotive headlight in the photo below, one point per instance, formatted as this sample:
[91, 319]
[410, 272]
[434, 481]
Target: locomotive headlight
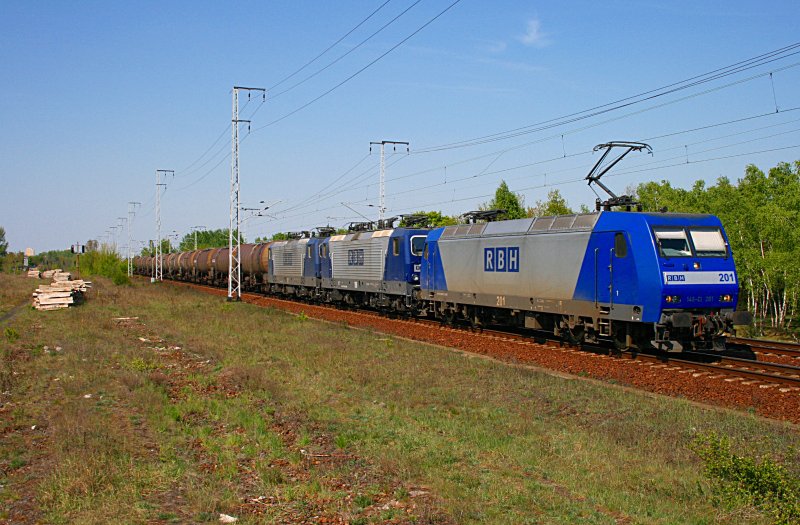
[696, 265]
[727, 298]
[672, 299]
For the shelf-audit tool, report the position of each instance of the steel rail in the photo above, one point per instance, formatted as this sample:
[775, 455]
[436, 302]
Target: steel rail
[767, 346]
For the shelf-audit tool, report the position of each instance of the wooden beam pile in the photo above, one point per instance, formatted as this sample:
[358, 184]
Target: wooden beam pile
[48, 274]
[59, 294]
[60, 276]
[33, 273]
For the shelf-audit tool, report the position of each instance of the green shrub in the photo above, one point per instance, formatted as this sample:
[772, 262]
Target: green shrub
[738, 480]
[11, 335]
[106, 263]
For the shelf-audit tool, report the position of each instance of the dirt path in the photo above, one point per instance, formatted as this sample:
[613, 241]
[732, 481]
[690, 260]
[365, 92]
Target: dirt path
[14, 311]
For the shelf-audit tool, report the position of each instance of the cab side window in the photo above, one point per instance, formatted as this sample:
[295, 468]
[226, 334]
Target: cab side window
[396, 246]
[620, 246]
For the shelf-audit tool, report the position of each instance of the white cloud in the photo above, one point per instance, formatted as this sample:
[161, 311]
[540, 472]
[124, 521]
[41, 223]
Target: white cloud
[534, 36]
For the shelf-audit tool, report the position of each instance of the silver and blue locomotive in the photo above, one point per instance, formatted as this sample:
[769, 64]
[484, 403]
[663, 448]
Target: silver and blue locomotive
[639, 280]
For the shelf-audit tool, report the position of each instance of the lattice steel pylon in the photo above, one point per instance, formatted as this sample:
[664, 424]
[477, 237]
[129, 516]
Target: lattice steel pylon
[382, 144]
[234, 244]
[158, 268]
[131, 214]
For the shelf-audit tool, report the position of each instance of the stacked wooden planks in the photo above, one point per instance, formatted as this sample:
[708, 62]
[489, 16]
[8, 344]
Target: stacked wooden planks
[60, 276]
[59, 294]
[33, 273]
[48, 274]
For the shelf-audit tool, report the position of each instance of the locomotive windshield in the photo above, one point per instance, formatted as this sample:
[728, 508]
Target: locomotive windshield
[417, 244]
[672, 242]
[708, 242]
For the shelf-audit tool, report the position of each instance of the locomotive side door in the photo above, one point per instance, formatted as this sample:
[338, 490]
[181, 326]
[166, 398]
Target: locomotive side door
[614, 273]
[428, 273]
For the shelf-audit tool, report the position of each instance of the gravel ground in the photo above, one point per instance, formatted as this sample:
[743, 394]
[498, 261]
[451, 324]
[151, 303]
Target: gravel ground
[767, 400]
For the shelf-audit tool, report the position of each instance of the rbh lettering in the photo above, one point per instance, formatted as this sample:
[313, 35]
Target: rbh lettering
[501, 259]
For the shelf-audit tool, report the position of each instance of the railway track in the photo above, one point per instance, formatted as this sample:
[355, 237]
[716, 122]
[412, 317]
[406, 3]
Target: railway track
[768, 374]
[760, 346]
[759, 374]
[747, 369]
[744, 369]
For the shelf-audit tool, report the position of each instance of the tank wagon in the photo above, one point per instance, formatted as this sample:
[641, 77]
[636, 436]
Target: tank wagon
[635, 280]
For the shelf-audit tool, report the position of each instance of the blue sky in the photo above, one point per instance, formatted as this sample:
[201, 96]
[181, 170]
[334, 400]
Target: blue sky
[95, 96]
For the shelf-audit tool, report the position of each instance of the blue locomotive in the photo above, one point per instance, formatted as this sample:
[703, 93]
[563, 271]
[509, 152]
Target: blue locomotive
[636, 280]
[639, 280]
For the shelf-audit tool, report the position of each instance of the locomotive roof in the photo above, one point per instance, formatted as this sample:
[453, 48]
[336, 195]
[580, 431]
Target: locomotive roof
[575, 222]
[563, 223]
[678, 215]
[373, 234]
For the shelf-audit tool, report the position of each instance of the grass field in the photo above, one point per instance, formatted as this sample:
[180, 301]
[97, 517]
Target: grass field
[201, 407]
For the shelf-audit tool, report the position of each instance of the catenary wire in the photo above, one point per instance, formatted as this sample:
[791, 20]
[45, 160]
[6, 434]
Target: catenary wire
[301, 68]
[370, 64]
[737, 67]
[348, 52]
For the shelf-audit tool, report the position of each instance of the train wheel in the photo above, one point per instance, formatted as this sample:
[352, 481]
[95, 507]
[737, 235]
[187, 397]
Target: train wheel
[619, 336]
[575, 336]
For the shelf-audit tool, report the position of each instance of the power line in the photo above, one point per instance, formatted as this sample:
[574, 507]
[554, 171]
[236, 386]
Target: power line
[353, 183]
[742, 66]
[309, 77]
[584, 128]
[222, 134]
[207, 173]
[738, 67]
[301, 68]
[647, 139]
[356, 180]
[582, 179]
[484, 172]
[340, 177]
[343, 82]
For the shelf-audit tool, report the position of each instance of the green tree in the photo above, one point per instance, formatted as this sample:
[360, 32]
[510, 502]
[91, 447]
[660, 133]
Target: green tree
[761, 215]
[3, 242]
[205, 239]
[512, 203]
[555, 204]
[435, 219]
[64, 259]
[11, 262]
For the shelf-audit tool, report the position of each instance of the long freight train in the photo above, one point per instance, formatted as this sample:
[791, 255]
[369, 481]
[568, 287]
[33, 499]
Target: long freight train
[635, 280]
